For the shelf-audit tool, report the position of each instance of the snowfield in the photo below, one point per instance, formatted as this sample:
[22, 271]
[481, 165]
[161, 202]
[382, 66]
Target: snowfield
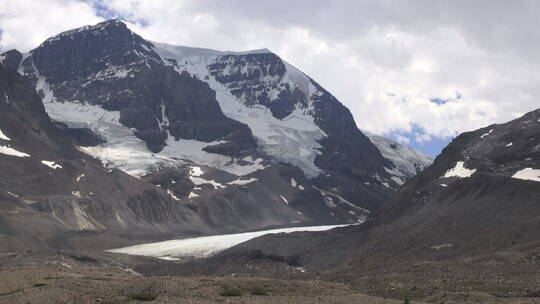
[459, 171]
[123, 150]
[12, 152]
[528, 174]
[207, 245]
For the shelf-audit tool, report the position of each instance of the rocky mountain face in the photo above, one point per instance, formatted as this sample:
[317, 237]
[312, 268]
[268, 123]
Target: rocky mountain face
[221, 141]
[53, 195]
[109, 66]
[406, 162]
[478, 201]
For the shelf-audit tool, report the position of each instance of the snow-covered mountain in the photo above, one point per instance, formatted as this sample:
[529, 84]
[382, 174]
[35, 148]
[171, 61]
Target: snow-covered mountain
[244, 139]
[407, 162]
[54, 195]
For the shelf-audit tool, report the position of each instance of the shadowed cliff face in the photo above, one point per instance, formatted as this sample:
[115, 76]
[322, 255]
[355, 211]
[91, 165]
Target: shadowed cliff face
[50, 192]
[110, 66]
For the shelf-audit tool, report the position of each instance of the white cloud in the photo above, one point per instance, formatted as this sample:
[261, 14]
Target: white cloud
[383, 59]
[25, 24]
[402, 139]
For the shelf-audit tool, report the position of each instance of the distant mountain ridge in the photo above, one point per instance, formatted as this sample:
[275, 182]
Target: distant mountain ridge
[407, 161]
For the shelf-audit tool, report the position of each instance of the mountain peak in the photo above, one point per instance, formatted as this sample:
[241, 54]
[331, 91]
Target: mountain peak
[112, 26]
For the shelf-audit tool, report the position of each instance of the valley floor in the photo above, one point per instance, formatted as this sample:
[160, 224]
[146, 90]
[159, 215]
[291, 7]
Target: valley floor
[98, 277]
[90, 277]
[60, 284]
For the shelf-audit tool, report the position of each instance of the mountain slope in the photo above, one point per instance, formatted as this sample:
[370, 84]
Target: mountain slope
[53, 195]
[243, 133]
[479, 200]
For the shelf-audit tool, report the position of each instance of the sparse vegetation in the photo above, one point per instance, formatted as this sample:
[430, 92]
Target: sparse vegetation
[259, 291]
[40, 285]
[406, 301]
[143, 296]
[231, 292]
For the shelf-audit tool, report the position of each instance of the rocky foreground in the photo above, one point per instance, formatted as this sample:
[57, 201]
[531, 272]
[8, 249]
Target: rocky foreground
[75, 277]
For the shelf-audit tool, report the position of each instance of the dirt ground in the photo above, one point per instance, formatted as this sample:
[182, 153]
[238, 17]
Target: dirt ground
[79, 278]
[61, 284]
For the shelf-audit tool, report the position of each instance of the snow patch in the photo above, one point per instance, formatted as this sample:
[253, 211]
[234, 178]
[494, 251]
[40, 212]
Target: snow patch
[12, 152]
[284, 199]
[169, 192]
[441, 246]
[12, 194]
[4, 136]
[397, 180]
[196, 171]
[327, 195]
[528, 174]
[508, 145]
[242, 182]
[459, 171]
[293, 183]
[51, 164]
[486, 134]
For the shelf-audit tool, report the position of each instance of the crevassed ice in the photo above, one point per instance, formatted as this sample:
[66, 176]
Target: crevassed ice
[123, 150]
[293, 139]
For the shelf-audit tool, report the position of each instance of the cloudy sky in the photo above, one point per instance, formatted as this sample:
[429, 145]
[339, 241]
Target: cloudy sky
[417, 71]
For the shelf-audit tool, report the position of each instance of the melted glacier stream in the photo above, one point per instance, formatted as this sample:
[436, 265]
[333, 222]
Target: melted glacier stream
[201, 247]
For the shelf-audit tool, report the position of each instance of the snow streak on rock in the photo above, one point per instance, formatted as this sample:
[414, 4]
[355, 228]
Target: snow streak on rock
[12, 152]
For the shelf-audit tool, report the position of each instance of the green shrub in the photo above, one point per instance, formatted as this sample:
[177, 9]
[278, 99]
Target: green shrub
[231, 292]
[143, 296]
[40, 285]
[259, 291]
